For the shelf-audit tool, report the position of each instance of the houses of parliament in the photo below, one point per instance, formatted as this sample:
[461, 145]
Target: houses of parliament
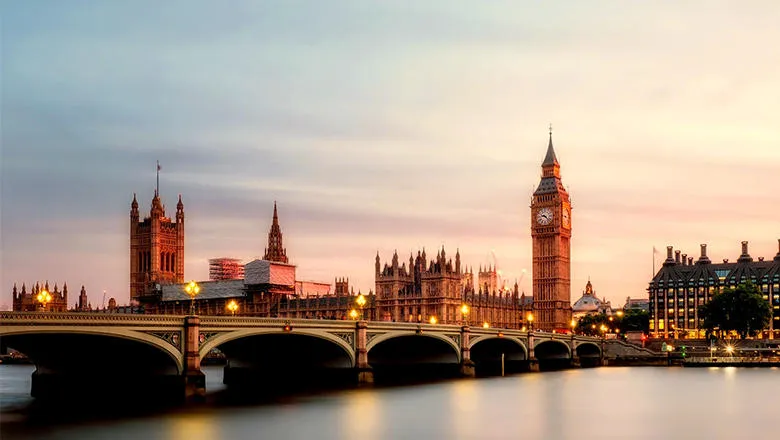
[427, 289]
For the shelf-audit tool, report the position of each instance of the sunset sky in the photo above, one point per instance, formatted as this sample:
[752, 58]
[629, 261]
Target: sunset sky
[386, 125]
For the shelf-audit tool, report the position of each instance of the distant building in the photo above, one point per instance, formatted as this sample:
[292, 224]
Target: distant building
[24, 301]
[638, 304]
[682, 285]
[156, 248]
[590, 304]
[225, 269]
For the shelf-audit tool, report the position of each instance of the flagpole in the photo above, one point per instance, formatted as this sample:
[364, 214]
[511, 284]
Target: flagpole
[157, 191]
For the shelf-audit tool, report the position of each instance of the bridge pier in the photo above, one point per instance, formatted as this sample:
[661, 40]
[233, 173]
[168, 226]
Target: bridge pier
[365, 374]
[194, 381]
[467, 367]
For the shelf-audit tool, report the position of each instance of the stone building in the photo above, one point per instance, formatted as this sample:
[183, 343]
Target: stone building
[24, 301]
[439, 288]
[268, 288]
[681, 285]
[590, 304]
[551, 236]
[156, 248]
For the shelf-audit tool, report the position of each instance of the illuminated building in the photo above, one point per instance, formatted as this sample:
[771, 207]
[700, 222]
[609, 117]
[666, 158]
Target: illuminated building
[551, 235]
[682, 285]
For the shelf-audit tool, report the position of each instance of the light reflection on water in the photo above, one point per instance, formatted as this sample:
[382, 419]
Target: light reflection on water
[605, 403]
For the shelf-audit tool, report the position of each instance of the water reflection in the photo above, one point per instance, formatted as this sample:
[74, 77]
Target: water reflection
[604, 403]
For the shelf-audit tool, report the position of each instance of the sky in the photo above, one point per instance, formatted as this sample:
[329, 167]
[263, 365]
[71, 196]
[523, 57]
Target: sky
[382, 126]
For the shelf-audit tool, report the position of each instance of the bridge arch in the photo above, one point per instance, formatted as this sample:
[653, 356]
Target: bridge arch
[494, 355]
[226, 337]
[552, 349]
[13, 335]
[379, 339]
[513, 339]
[587, 349]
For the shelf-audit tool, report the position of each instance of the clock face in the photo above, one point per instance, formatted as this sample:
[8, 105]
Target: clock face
[544, 216]
[566, 219]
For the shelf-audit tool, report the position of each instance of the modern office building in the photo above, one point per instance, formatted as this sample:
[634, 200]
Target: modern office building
[682, 285]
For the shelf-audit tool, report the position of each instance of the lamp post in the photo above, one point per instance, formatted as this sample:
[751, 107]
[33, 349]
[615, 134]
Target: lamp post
[464, 313]
[43, 298]
[573, 325]
[192, 290]
[530, 319]
[361, 301]
[232, 306]
[433, 320]
[353, 314]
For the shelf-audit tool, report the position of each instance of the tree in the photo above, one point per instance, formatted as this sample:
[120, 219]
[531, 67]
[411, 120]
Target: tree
[635, 321]
[742, 309]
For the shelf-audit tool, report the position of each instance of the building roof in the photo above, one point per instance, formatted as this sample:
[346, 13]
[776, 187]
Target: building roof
[208, 290]
[586, 303]
[550, 159]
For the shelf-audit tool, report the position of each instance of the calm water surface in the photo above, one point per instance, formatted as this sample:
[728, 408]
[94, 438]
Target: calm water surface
[604, 403]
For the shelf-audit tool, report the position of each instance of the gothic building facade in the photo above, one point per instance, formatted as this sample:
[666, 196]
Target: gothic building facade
[437, 289]
[551, 235]
[682, 285]
[156, 248]
[56, 301]
[266, 288]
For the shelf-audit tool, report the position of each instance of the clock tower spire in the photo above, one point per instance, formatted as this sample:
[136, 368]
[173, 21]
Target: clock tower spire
[551, 236]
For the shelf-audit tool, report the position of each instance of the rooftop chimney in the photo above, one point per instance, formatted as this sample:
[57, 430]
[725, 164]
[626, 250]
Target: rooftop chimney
[669, 258]
[777, 257]
[690, 261]
[685, 259]
[745, 257]
[703, 259]
[677, 257]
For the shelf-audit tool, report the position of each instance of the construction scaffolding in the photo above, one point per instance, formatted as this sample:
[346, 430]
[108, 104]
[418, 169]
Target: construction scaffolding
[225, 269]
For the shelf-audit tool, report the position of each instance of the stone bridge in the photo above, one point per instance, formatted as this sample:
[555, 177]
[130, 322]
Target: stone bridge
[138, 353]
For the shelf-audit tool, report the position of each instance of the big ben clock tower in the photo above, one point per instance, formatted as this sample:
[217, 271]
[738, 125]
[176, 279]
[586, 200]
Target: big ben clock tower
[551, 235]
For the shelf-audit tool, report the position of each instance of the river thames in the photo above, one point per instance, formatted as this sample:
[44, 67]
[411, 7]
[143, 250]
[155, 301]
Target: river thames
[602, 403]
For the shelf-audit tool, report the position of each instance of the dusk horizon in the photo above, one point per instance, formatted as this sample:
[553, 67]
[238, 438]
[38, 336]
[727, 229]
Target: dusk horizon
[378, 129]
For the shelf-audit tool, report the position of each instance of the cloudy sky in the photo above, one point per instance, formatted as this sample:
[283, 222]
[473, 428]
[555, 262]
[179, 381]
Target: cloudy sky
[386, 125]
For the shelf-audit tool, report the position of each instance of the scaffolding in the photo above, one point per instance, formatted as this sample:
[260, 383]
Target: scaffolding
[225, 269]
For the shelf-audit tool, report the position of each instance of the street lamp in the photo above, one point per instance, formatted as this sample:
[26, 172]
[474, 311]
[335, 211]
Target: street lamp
[485, 325]
[433, 320]
[530, 319]
[573, 325]
[464, 312]
[353, 314]
[361, 301]
[192, 290]
[232, 306]
[44, 297]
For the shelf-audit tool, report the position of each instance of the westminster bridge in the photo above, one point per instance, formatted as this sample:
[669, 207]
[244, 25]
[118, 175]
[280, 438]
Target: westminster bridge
[119, 353]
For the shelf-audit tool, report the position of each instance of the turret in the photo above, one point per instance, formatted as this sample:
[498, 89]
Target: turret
[457, 260]
[134, 210]
[180, 211]
[14, 291]
[376, 264]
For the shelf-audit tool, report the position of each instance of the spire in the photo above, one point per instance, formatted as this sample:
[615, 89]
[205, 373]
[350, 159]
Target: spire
[550, 159]
[180, 205]
[275, 250]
